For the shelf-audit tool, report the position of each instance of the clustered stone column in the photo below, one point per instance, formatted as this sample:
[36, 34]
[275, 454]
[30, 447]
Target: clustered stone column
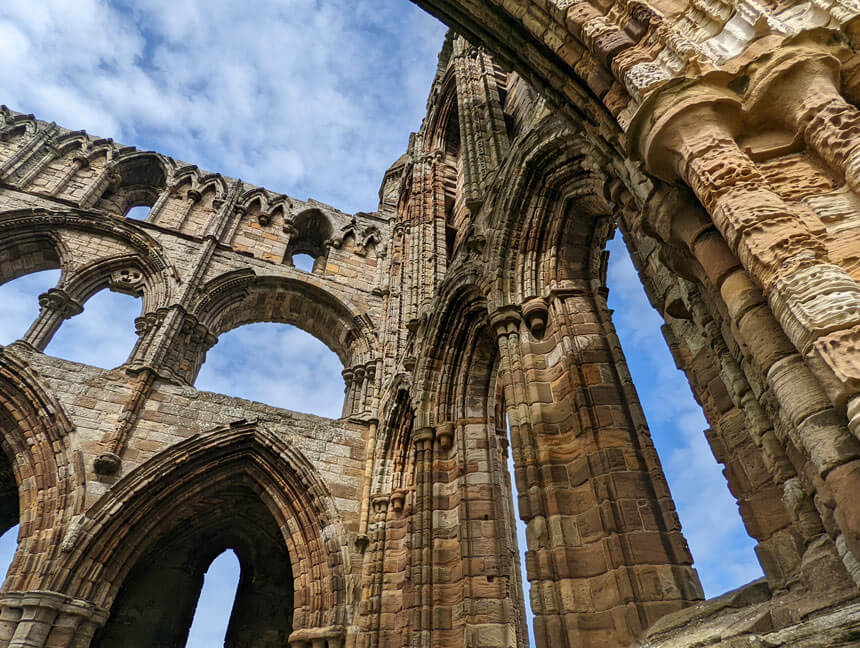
[605, 556]
[771, 268]
[47, 620]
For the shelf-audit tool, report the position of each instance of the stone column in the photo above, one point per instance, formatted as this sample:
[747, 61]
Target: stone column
[357, 405]
[816, 303]
[192, 197]
[78, 162]
[605, 557]
[800, 89]
[48, 620]
[815, 426]
[347, 392]
[55, 307]
[370, 606]
[422, 538]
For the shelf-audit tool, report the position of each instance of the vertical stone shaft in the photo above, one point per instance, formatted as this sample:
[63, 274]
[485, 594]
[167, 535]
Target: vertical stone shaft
[55, 307]
[597, 506]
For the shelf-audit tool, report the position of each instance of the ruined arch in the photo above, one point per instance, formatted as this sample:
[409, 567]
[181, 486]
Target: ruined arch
[48, 472]
[127, 181]
[310, 232]
[544, 188]
[130, 274]
[49, 224]
[227, 464]
[241, 297]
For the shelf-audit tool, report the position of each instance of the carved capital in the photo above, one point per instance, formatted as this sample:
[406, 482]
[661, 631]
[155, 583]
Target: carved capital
[536, 315]
[506, 320]
[398, 498]
[57, 300]
[445, 434]
[423, 437]
[127, 280]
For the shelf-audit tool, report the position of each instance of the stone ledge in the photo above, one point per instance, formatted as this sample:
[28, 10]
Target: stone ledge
[750, 617]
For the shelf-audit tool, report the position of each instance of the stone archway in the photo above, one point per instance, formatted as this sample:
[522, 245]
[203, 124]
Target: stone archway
[238, 487]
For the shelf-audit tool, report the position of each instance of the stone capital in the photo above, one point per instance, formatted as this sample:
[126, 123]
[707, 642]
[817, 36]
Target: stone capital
[59, 301]
[506, 319]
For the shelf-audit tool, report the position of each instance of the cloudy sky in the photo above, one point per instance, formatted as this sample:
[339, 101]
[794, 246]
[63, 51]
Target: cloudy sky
[313, 98]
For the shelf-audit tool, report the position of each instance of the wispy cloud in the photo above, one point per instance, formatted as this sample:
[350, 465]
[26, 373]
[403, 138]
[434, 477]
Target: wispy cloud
[308, 98]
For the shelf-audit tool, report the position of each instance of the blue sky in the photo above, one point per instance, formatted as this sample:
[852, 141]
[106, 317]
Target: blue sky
[313, 98]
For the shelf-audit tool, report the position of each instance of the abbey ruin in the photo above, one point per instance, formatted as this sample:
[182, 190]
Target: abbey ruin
[721, 139]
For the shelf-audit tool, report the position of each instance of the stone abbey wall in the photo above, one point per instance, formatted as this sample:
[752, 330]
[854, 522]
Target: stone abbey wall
[719, 139]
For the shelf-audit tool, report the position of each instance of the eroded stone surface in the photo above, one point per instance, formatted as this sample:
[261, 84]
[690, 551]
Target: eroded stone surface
[720, 138]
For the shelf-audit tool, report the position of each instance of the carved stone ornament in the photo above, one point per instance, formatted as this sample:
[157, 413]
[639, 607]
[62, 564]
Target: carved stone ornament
[128, 280]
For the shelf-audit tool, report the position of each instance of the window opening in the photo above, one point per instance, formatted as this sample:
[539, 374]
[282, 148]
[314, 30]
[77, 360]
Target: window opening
[277, 364]
[212, 614]
[303, 262]
[140, 212]
[723, 551]
[103, 335]
[20, 301]
[8, 545]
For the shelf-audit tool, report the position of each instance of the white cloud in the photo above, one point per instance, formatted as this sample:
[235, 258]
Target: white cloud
[310, 98]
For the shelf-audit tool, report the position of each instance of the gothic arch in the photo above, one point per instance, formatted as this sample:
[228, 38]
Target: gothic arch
[50, 224]
[179, 486]
[48, 470]
[552, 67]
[311, 229]
[546, 192]
[129, 180]
[25, 251]
[449, 339]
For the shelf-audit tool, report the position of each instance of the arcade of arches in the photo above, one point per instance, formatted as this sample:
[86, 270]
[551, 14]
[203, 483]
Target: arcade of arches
[721, 138]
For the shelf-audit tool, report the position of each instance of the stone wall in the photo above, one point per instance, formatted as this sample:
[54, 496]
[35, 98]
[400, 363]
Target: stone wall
[469, 312]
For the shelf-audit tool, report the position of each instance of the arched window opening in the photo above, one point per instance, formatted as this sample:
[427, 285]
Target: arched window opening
[138, 212]
[277, 364]
[103, 335]
[9, 513]
[311, 231]
[20, 300]
[304, 262]
[156, 602]
[136, 181]
[212, 615]
[718, 541]
[456, 213]
[8, 545]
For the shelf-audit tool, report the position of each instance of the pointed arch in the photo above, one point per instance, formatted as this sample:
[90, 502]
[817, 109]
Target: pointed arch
[458, 324]
[546, 190]
[131, 274]
[177, 490]
[129, 180]
[49, 472]
[51, 222]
